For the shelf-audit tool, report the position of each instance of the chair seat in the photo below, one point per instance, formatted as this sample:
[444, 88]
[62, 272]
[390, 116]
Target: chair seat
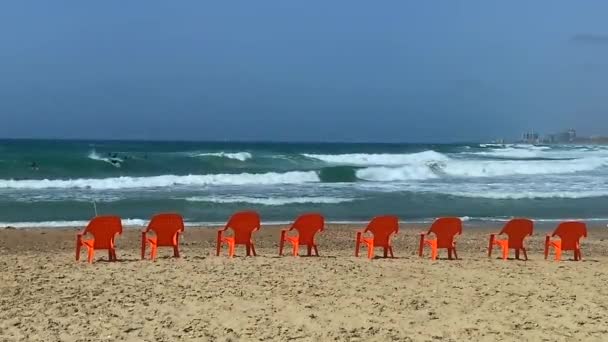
[90, 243]
[293, 239]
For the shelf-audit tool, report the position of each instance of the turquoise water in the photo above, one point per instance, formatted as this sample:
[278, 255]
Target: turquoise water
[51, 182]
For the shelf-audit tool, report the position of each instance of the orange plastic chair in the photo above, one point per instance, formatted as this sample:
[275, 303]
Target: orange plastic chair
[167, 229]
[382, 229]
[570, 234]
[243, 224]
[307, 226]
[445, 230]
[103, 230]
[516, 230]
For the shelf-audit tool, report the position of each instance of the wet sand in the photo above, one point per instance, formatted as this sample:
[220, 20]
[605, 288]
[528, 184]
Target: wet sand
[47, 296]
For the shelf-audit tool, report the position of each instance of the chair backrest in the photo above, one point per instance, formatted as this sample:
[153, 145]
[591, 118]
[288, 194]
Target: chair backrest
[517, 230]
[166, 226]
[307, 226]
[104, 229]
[383, 227]
[446, 228]
[244, 223]
[570, 233]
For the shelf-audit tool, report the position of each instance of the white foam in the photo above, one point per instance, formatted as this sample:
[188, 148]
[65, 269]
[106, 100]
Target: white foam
[271, 201]
[389, 174]
[509, 152]
[112, 161]
[479, 168]
[380, 159]
[114, 183]
[497, 168]
[242, 156]
[79, 224]
[531, 194]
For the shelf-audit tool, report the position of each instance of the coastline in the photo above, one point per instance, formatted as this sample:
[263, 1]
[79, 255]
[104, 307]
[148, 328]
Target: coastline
[48, 296]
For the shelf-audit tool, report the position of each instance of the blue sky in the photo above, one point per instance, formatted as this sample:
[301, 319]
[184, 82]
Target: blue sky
[307, 70]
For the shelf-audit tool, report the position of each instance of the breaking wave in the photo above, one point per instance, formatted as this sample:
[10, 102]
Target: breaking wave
[65, 224]
[271, 201]
[114, 183]
[380, 159]
[241, 156]
[531, 194]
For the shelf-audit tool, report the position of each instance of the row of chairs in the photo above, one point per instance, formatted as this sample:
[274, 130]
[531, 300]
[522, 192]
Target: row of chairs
[164, 230]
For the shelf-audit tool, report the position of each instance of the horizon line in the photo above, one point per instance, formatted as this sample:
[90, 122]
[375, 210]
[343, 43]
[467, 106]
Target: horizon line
[243, 141]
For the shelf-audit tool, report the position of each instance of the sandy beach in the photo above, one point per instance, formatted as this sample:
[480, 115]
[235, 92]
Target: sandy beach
[47, 296]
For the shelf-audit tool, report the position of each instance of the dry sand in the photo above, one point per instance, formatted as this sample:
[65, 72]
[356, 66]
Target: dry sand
[46, 296]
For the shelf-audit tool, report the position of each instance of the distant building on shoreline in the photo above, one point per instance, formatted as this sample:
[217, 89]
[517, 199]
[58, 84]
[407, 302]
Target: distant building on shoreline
[565, 137]
[530, 138]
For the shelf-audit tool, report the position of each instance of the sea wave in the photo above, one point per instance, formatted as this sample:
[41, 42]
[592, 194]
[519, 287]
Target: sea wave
[470, 168]
[533, 194]
[478, 168]
[511, 153]
[271, 201]
[379, 159]
[75, 223]
[389, 174]
[241, 156]
[113, 183]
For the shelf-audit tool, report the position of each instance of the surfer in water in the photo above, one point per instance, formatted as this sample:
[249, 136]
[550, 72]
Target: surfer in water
[34, 166]
[113, 159]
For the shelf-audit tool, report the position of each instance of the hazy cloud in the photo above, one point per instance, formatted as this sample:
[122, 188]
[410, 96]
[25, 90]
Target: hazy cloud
[590, 38]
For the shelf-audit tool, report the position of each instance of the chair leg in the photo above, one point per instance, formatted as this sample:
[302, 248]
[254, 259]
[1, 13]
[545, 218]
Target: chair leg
[110, 254]
[421, 247]
[296, 248]
[176, 251]
[78, 245]
[385, 252]
[390, 250]
[253, 249]
[218, 247]
[547, 241]
[525, 254]
[281, 244]
[517, 253]
[357, 244]
[153, 252]
[490, 246]
[231, 250]
[91, 255]
[143, 246]
[309, 250]
[316, 250]
[455, 252]
[580, 254]
[370, 250]
[434, 252]
[558, 254]
[449, 254]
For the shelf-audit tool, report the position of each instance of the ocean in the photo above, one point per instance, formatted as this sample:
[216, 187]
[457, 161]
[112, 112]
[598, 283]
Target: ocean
[59, 183]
